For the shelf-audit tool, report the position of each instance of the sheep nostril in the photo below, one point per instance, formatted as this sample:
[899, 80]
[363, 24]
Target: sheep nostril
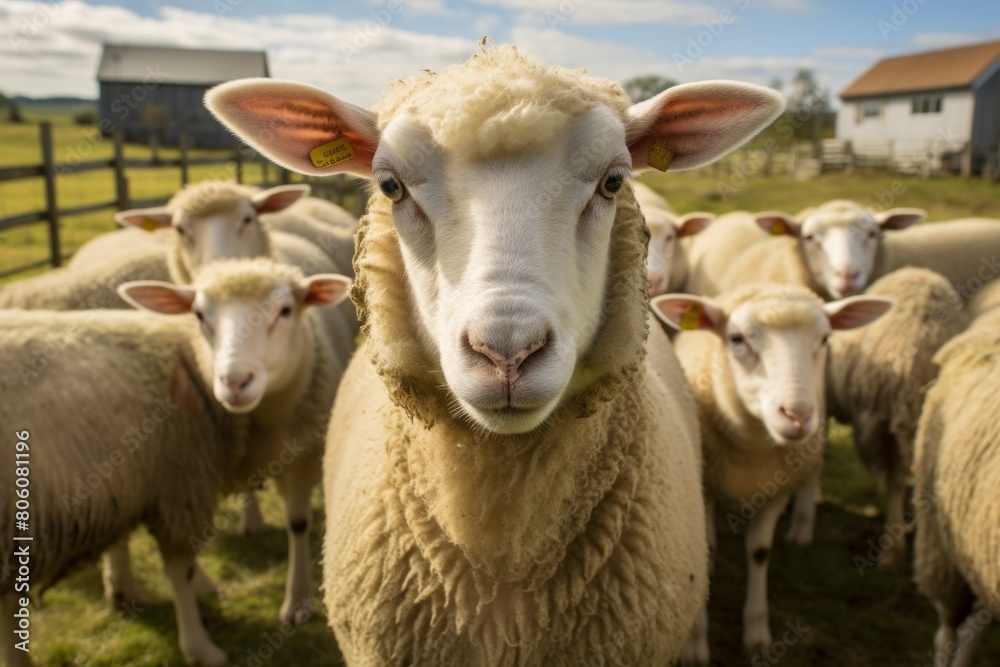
[507, 366]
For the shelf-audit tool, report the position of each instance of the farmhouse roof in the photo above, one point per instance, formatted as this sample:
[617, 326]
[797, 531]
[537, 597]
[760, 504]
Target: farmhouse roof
[958, 67]
[129, 63]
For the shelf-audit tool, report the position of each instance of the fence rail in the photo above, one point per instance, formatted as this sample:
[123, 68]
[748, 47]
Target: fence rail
[337, 189]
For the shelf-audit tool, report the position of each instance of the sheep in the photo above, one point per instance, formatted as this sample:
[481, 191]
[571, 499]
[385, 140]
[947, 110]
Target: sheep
[842, 247]
[670, 236]
[477, 496]
[755, 361]
[711, 252]
[987, 298]
[876, 377]
[186, 410]
[954, 497]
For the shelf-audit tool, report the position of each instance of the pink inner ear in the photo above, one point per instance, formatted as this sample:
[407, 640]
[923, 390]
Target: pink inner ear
[161, 299]
[692, 226]
[325, 292]
[279, 201]
[858, 314]
[776, 225]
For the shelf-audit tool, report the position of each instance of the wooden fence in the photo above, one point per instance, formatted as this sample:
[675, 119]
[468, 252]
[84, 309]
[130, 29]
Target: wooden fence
[339, 189]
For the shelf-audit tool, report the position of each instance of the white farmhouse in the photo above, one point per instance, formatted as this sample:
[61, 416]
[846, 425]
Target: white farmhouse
[932, 109]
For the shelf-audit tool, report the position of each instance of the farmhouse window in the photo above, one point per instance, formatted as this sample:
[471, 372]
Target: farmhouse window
[927, 104]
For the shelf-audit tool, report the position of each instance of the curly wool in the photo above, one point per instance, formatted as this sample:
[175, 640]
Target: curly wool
[958, 471]
[877, 375]
[499, 101]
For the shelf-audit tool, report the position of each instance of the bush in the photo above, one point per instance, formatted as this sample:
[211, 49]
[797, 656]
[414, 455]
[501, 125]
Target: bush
[85, 117]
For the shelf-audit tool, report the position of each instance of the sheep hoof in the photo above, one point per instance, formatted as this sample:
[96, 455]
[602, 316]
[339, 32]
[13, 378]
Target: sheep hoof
[800, 534]
[695, 653]
[756, 640]
[892, 559]
[205, 655]
[296, 614]
[131, 596]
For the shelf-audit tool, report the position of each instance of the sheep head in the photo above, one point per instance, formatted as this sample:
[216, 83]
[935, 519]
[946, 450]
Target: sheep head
[250, 313]
[504, 183]
[776, 338]
[840, 240]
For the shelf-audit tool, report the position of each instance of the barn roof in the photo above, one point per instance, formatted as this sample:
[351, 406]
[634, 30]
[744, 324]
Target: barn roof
[932, 70]
[128, 63]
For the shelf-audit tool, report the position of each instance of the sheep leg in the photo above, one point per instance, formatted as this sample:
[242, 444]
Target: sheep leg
[13, 657]
[196, 646]
[895, 491]
[202, 583]
[120, 584]
[803, 523]
[695, 651]
[970, 635]
[760, 537]
[296, 492]
[251, 519]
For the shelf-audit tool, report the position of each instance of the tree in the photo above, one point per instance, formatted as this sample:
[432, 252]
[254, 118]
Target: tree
[808, 104]
[13, 109]
[644, 87]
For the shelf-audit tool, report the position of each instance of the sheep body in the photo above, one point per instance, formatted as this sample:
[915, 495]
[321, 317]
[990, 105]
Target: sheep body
[712, 252]
[957, 553]
[877, 375]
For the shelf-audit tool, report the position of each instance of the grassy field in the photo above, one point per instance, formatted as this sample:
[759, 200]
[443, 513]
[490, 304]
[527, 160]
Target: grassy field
[850, 619]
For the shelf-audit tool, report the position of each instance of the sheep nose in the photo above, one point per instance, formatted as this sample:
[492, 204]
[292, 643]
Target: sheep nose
[846, 275]
[507, 365]
[798, 416]
[239, 384]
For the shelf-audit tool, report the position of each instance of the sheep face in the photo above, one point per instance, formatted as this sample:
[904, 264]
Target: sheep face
[840, 241]
[665, 265]
[776, 339]
[503, 178]
[251, 319]
[507, 258]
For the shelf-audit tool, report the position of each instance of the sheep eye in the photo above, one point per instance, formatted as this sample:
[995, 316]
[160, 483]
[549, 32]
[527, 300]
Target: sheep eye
[612, 183]
[737, 339]
[199, 315]
[180, 230]
[825, 340]
[872, 234]
[285, 312]
[809, 237]
[247, 220]
[390, 185]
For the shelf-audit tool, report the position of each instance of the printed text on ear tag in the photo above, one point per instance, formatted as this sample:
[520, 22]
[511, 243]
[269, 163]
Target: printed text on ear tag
[149, 224]
[332, 153]
[660, 154]
[692, 318]
[777, 228]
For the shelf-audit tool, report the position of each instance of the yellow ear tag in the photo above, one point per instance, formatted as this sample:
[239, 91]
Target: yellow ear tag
[149, 224]
[334, 152]
[660, 154]
[692, 318]
[777, 228]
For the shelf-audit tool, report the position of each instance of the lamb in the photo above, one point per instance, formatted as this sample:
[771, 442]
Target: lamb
[877, 375]
[221, 392]
[511, 473]
[842, 247]
[670, 238]
[957, 448]
[755, 361]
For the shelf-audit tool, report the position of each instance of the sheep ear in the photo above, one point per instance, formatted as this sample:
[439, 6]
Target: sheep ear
[686, 312]
[900, 218]
[325, 289]
[159, 297]
[856, 311]
[777, 223]
[299, 127]
[690, 125]
[693, 223]
[279, 198]
[146, 218]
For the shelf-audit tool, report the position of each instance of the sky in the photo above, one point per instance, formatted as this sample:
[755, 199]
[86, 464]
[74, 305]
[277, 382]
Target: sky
[353, 48]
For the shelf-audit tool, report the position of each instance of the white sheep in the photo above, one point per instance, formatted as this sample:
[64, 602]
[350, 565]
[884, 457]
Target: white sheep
[844, 247]
[670, 236]
[712, 252]
[755, 361]
[877, 376]
[160, 416]
[986, 298]
[957, 548]
[511, 473]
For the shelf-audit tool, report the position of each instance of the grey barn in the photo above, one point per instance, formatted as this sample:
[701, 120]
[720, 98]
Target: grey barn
[156, 92]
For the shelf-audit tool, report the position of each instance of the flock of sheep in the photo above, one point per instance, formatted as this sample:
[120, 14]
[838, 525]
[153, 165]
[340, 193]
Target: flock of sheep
[519, 466]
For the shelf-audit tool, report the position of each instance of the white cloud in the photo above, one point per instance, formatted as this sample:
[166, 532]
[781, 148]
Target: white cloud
[945, 39]
[848, 52]
[603, 12]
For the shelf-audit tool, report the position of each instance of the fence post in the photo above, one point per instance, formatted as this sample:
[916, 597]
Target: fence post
[183, 140]
[121, 182]
[238, 159]
[51, 207]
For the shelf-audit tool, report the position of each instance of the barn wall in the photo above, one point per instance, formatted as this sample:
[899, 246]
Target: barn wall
[986, 123]
[142, 111]
[948, 130]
